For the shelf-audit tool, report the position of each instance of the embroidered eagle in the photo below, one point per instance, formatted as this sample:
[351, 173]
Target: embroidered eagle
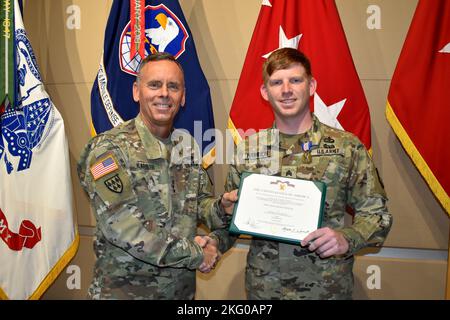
[22, 130]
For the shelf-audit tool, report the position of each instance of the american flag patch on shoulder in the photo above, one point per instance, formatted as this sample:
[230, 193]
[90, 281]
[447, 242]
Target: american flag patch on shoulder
[103, 167]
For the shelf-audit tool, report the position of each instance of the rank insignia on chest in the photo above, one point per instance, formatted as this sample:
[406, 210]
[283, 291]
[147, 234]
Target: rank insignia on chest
[289, 171]
[114, 184]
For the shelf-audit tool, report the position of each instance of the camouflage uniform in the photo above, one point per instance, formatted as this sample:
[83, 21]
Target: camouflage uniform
[283, 271]
[147, 211]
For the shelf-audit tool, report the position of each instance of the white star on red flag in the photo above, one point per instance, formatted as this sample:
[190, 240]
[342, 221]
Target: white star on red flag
[314, 28]
[446, 48]
[328, 114]
[284, 42]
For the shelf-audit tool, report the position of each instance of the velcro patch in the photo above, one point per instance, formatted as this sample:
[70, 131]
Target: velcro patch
[114, 184]
[103, 167]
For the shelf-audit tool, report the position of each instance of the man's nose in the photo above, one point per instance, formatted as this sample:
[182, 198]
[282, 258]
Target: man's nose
[164, 91]
[286, 87]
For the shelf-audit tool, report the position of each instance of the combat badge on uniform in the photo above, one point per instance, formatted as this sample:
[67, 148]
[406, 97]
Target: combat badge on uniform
[328, 148]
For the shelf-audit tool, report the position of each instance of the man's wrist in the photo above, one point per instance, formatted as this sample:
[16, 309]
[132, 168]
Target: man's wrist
[197, 256]
[220, 207]
[354, 239]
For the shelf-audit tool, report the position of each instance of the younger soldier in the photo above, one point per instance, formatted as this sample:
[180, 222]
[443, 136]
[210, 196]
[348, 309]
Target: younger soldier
[321, 267]
[148, 192]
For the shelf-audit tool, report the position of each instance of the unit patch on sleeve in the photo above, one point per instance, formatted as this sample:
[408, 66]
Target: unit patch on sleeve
[114, 184]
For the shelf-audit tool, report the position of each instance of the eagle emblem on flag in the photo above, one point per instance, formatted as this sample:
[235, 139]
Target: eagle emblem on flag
[23, 128]
[164, 32]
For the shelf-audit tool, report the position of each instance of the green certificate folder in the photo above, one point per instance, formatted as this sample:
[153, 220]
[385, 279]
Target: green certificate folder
[278, 208]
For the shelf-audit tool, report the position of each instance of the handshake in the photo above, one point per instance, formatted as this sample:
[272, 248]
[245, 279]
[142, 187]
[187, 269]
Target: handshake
[210, 253]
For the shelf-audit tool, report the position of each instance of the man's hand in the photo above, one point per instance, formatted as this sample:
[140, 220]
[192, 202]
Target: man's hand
[228, 200]
[326, 242]
[210, 253]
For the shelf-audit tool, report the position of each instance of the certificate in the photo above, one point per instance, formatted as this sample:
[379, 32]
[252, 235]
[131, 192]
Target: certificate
[278, 208]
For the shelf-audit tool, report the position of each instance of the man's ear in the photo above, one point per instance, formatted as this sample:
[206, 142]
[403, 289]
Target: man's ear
[135, 92]
[183, 99]
[264, 93]
[312, 86]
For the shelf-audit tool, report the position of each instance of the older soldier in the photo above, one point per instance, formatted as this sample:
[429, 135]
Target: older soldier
[321, 266]
[149, 191]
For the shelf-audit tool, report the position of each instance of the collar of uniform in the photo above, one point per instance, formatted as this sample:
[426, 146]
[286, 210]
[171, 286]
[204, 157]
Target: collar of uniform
[154, 149]
[313, 134]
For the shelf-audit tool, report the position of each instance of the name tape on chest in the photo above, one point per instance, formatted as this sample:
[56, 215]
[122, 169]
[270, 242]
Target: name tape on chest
[258, 155]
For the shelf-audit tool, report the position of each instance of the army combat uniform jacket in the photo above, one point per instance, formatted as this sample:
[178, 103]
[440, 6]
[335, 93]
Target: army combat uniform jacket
[282, 271]
[148, 197]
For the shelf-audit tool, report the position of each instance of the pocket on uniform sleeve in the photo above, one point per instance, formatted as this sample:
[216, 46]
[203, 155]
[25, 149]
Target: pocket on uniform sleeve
[111, 182]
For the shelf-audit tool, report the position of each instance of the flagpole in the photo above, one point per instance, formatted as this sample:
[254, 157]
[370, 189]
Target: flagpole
[6, 67]
[7, 25]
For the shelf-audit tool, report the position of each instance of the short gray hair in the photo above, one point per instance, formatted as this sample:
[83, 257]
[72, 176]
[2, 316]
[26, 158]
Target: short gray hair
[158, 56]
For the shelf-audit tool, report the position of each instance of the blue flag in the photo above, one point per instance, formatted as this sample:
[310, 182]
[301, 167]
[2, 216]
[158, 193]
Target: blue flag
[111, 97]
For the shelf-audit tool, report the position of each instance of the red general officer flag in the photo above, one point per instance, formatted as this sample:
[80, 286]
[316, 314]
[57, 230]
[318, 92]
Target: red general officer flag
[418, 106]
[314, 28]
